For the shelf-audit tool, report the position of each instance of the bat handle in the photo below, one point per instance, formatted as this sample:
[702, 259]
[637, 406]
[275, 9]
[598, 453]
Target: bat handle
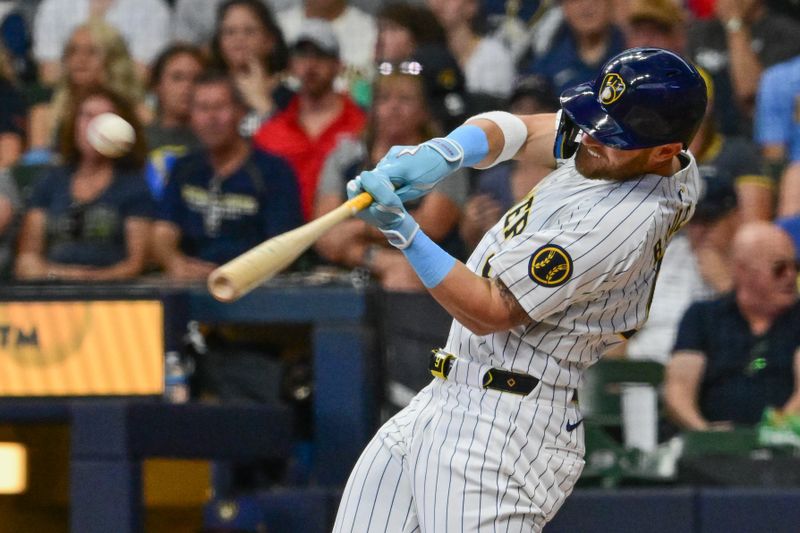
[359, 202]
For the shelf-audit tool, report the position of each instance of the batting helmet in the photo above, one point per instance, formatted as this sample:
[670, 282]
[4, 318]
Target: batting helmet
[643, 97]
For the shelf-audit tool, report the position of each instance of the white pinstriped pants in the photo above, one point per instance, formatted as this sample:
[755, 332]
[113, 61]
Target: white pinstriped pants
[464, 459]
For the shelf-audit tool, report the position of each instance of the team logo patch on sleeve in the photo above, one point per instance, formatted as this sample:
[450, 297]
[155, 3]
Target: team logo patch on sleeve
[550, 266]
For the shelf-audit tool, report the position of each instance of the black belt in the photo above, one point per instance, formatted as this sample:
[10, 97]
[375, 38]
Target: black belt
[494, 378]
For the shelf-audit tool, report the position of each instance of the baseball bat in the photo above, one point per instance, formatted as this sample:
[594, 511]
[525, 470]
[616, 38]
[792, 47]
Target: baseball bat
[242, 274]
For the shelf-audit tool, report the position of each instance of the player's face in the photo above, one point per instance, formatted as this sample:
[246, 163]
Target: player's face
[215, 115]
[90, 108]
[176, 84]
[597, 161]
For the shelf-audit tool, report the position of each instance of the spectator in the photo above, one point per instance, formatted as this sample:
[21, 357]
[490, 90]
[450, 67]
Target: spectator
[13, 115]
[226, 197]
[500, 187]
[401, 115]
[739, 354]
[195, 20]
[486, 62]
[734, 47]
[89, 219]
[778, 131]
[356, 33]
[9, 208]
[317, 117]
[515, 23]
[402, 28]
[95, 54]
[658, 23]
[144, 25]
[248, 45]
[586, 40]
[736, 158]
[170, 136]
[15, 37]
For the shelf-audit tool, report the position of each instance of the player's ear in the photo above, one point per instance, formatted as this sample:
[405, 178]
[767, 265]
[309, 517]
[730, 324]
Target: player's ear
[665, 152]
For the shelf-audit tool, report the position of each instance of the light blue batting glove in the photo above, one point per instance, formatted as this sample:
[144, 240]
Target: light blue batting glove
[386, 211]
[415, 170]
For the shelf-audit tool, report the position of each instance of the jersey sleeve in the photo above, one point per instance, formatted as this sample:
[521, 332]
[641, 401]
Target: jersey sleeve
[549, 270]
[690, 331]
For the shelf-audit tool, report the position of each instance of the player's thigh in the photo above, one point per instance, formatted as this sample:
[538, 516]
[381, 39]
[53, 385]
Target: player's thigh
[377, 497]
[492, 463]
[379, 494]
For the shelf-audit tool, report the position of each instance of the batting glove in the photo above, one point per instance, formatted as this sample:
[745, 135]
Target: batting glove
[386, 211]
[415, 170]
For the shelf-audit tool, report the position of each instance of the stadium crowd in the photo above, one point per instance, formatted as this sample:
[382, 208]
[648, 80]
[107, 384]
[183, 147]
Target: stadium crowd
[251, 116]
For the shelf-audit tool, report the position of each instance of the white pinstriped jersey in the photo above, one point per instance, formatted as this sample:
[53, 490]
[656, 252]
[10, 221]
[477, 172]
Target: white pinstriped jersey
[581, 256]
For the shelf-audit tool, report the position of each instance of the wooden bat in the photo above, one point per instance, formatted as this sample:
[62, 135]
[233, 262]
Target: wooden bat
[242, 274]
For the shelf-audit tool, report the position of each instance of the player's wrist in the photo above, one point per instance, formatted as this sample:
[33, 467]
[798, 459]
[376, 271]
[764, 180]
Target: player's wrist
[429, 261]
[402, 234]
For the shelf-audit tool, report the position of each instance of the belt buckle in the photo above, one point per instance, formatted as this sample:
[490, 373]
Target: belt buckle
[439, 366]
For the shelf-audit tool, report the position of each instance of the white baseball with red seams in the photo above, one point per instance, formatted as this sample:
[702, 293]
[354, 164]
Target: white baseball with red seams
[111, 135]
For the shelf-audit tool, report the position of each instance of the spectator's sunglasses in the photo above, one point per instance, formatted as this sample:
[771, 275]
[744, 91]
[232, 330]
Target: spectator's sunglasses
[411, 68]
[781, 267]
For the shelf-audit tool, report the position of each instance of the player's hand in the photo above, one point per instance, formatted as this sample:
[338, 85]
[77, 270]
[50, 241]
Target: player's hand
[386, 211]
[415, 170]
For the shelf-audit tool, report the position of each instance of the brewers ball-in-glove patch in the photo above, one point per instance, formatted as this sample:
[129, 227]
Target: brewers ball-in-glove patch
[550, 266]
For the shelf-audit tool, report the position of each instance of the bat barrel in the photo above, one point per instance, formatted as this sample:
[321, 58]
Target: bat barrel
[239, 276]
[222, 287]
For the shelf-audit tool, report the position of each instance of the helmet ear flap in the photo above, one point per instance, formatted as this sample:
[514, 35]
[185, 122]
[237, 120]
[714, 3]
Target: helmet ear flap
[568, 137]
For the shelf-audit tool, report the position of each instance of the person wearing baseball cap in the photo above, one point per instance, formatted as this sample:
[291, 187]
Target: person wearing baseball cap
[317, 116]
[316, 36]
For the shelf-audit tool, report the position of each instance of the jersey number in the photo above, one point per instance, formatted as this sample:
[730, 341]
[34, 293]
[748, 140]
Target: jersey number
[515, 220]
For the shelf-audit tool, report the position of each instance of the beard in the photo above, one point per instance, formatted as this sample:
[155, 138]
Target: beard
[600, 168]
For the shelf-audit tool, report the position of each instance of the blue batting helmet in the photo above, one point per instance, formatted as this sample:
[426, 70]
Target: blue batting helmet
[643, 97]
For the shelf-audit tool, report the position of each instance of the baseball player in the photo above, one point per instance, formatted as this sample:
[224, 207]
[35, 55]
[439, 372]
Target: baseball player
[495, 443]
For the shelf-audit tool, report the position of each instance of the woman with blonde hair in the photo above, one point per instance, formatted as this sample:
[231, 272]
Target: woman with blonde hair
[95, 55]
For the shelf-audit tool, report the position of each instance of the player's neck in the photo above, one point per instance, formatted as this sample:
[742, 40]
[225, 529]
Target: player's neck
[668, 168]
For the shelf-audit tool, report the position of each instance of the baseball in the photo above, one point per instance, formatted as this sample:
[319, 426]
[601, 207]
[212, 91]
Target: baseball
[110, 135]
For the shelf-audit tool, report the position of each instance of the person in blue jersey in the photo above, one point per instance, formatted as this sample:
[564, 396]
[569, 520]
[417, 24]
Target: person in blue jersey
[225, 198]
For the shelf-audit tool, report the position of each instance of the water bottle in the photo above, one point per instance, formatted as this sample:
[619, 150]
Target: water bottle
[176, 378]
